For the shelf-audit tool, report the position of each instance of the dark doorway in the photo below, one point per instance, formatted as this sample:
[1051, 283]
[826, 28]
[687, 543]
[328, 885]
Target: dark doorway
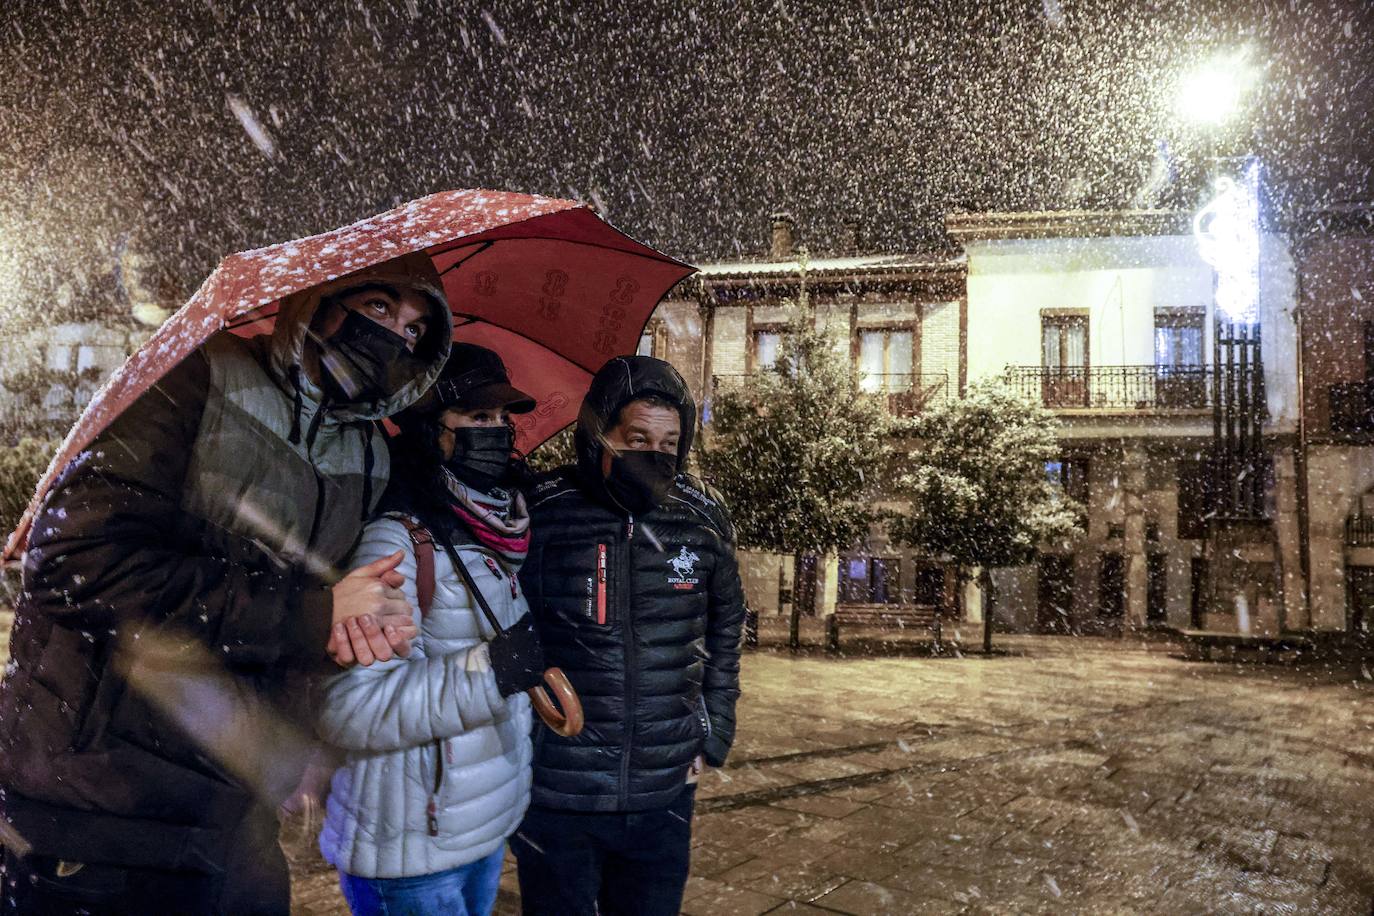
[1157, 588]
[804, 586]
[1361, 600]
[1198, 591]
[1054, 608]
[1111, 587]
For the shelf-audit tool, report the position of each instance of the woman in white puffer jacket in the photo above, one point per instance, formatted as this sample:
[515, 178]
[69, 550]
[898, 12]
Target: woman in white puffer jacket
[437, 774]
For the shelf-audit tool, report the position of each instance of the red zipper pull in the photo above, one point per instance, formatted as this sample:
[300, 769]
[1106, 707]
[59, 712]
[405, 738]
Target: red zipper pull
[432, 816]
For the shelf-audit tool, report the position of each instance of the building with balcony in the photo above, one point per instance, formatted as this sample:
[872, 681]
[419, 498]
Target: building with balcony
[1106, 319]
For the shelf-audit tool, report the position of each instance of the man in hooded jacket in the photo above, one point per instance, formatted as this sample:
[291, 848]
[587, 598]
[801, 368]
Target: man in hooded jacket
[635, 589]
[178, 586]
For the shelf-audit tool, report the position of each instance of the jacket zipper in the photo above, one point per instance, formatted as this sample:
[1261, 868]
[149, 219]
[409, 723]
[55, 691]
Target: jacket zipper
[432, 809]
[601, 584]
[622, 606]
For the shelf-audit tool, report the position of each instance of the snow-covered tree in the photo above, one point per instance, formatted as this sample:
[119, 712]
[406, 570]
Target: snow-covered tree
[976, 482]
[798, 450]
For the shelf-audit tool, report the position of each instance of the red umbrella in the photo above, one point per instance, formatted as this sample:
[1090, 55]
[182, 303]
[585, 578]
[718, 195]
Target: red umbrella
[544, 282]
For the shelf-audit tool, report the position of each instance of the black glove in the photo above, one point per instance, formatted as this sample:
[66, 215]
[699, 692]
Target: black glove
[517, 658]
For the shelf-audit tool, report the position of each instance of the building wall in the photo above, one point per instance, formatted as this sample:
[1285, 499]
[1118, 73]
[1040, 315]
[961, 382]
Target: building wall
[940, 343]
[1338, 475]
[1120, 282]
[1337, 299]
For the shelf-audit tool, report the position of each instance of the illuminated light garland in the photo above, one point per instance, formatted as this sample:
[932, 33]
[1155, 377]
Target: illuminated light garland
[1227, 231]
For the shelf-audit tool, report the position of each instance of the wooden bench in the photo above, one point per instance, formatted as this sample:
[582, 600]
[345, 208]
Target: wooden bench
[1202, 642]
[924, 618]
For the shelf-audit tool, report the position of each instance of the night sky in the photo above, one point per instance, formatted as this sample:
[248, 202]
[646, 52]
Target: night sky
[184, 131]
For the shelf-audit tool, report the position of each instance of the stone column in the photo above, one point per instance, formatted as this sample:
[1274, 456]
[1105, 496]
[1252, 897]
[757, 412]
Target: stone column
[1292, 583]
[1133, 543]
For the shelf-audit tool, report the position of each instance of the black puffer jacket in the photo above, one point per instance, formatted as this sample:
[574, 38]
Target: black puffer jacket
[161, 598]
[643, 614]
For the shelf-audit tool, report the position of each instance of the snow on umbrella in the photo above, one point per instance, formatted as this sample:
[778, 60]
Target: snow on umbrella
[545, 282]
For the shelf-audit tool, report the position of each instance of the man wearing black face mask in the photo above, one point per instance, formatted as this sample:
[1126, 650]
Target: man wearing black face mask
[210, 518]
[633, 583]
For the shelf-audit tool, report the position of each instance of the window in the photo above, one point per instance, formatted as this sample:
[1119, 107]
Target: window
[1064, 358]
[869, 580]
[1071, 476]
[767, 342]
[1064, 341]
[653, 341]
[1194, 492]
[885, 359]
[1178, 338]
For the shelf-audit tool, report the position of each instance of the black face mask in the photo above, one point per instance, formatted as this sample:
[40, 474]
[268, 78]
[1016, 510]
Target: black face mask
[481, 454]
[640, 480]
[364, 361]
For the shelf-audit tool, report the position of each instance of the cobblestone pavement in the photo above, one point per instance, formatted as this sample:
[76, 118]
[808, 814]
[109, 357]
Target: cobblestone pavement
[1067, 775]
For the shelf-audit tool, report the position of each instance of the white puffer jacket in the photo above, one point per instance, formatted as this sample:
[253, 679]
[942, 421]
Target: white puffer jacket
[428, 729]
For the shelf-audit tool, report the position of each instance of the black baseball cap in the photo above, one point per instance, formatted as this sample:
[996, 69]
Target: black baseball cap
[474, 377]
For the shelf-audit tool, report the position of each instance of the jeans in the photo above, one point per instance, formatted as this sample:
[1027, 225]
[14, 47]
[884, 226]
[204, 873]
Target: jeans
[573, 863]
[468, 890]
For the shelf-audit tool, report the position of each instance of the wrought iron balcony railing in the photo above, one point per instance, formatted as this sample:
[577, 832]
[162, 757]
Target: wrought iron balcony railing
[907, 394]
[1359, 531]
[1117, 388]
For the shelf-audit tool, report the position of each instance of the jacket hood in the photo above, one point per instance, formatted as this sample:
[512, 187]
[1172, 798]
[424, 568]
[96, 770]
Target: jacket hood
[289, 336]
[620, 381]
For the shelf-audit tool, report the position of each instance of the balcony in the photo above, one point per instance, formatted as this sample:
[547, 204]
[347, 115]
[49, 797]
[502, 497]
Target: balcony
[1359, 531]
[1352, 407]
[1114, 388]
[906, 394]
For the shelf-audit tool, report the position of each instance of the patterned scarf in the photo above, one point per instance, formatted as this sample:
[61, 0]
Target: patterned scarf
[498, 520]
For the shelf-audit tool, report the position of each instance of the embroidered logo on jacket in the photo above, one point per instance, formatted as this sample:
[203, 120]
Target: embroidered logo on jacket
[685, 565]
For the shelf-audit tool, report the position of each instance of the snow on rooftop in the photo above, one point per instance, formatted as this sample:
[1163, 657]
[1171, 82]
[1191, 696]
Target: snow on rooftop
[854, 264]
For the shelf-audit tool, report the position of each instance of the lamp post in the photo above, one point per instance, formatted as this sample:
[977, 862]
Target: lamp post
[1227, 232]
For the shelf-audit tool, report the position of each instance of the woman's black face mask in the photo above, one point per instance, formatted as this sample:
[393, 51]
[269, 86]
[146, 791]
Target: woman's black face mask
[363, 361]
[640, 480]
[481, 454]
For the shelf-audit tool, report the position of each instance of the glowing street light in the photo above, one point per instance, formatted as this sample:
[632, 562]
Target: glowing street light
[1212, 94]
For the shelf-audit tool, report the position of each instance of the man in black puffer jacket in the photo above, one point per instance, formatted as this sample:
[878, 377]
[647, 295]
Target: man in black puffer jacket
[633, 581]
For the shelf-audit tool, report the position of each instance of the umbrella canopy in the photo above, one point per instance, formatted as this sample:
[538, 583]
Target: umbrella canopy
[546, 283]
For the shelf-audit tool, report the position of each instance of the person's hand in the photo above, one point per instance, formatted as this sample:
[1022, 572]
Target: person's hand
[372, 619]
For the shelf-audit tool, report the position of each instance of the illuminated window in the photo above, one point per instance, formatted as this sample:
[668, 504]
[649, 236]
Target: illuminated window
[767, 342]
[885, 359]
[1178, 338]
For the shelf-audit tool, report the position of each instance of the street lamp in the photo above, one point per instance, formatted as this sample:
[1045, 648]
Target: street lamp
[1210, 95]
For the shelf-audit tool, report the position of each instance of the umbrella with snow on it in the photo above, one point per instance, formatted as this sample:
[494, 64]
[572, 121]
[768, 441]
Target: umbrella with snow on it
[546, 283]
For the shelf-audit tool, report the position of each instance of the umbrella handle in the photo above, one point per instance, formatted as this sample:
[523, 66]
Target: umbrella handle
[568, 722]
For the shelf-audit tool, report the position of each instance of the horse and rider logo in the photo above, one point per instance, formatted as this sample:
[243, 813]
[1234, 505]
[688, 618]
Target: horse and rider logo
[685, 565]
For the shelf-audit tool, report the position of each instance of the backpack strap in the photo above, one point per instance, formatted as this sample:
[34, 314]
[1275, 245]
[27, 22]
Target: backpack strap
[424, 563]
